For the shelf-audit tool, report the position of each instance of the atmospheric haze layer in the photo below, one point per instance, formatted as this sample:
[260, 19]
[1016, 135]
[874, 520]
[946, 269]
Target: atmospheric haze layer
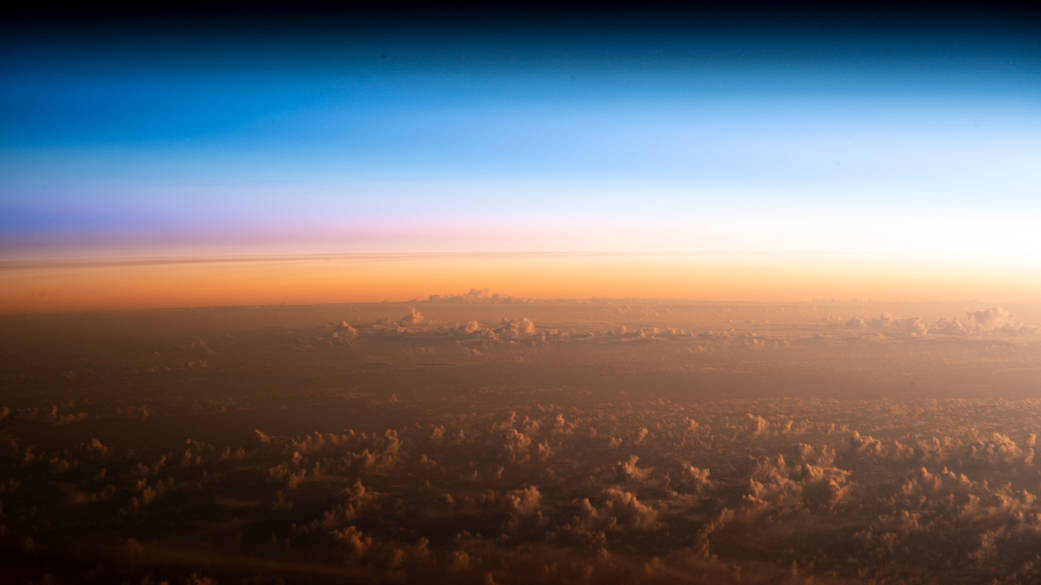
[754, 296]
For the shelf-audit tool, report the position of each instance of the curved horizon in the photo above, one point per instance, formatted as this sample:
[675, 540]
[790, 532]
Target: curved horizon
[897, 153]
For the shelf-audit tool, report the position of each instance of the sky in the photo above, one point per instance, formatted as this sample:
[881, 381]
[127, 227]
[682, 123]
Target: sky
[707, 156]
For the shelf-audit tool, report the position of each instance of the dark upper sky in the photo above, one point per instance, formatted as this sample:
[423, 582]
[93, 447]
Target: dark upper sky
[226, 126]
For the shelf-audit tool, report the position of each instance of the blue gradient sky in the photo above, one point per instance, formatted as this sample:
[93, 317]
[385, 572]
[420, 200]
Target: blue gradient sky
[810, 139]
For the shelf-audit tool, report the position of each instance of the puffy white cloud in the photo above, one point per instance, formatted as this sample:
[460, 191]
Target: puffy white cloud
[525, 507]
[1000, 449]
[628, 469]
[696, 477]
[508, 330]
[866, 445]
[620, 511]
[525, 502]
[757, 425]
[777, 485]
[413, 317]
[517, 446]
[343, 333]
[625, 511]
[991, 319]
[353, 540]
[516, 328]
[478, 297]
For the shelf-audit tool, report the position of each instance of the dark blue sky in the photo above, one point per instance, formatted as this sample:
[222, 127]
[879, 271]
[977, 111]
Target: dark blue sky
[210, 129]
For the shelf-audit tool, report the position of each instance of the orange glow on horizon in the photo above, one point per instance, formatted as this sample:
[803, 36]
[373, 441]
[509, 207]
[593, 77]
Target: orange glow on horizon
[399, 278]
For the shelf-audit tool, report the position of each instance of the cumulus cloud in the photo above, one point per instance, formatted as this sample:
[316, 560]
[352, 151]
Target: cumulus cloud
[996, 319]
[582, 460]
[410, 323]
[413, 317]
[343, 333]
[757, 425]
[508, 330]
[623, 510]
[696, 477]
[890, 326]
[628, 469]
[619, 511]
[1001, 449]
[476, 297]
[993, 320]
[777, 485]
[354, 541]
[525, 508]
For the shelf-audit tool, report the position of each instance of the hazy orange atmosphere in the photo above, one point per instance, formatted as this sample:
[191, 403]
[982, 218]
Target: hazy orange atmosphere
[147, 283]
[493, 296]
